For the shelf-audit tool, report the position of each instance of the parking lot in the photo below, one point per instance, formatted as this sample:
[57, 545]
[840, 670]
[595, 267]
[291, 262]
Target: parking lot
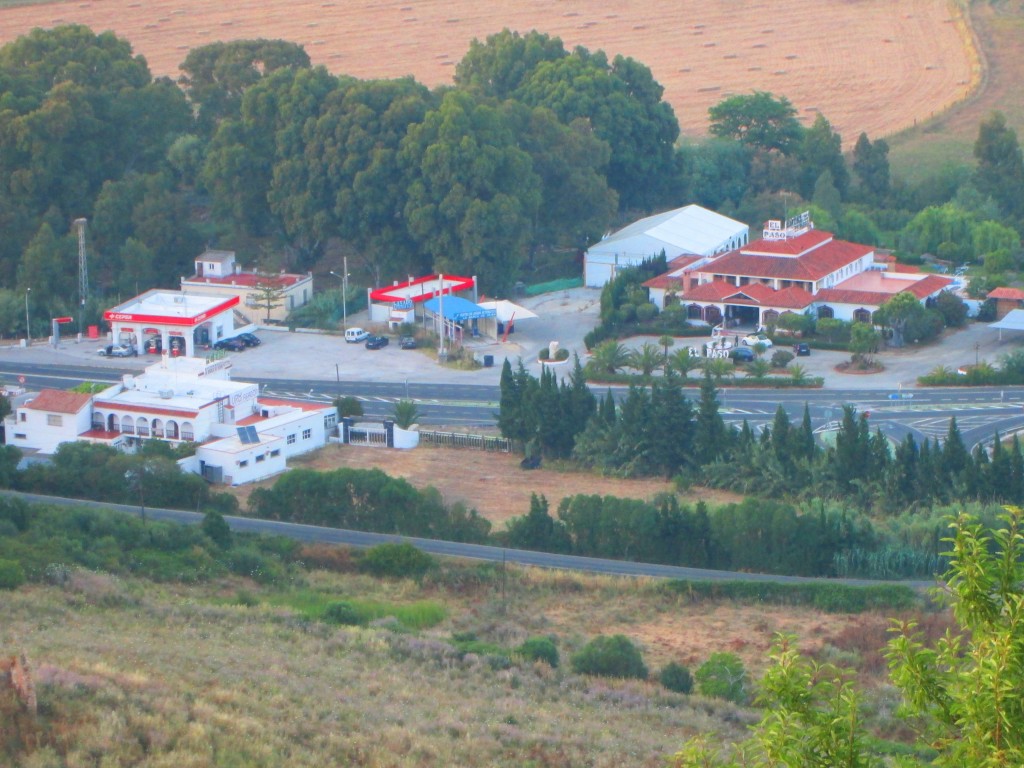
[564, 316]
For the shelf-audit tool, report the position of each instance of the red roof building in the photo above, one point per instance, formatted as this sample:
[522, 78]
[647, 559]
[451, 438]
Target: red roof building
[792, 268]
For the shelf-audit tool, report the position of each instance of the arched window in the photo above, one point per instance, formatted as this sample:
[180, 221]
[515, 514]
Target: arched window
[158, 428]
[825, 312]
[770, 317]
[142, 427]
[128, 425]
[187, 432]
[712, 315]
[861, 315]
[171, 430]
[695, 312]
[98, 420]
[113, 423]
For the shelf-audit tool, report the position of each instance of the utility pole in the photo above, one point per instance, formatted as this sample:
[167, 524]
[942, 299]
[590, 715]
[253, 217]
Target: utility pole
[28, 324]
[344, 294]
[440, 308]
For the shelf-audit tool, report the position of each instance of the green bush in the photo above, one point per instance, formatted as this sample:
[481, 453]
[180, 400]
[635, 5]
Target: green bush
[723, 676]
[782, 358]
[216, 528]
[646, 312]
[610, 656]
[343, 612]
[676, 678]
[539, 649]
[12, 575]
[400, 561]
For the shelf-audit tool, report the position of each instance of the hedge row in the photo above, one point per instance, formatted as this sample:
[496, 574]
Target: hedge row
[832, 598]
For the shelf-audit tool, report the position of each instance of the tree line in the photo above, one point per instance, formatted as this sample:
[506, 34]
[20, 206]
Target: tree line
[534, 151]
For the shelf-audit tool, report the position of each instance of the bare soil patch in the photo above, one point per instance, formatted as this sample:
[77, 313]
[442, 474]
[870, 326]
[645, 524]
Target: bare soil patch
[492, 483]
[870, 65]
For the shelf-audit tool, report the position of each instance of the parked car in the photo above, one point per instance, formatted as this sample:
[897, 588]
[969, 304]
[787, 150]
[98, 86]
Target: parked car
[376, 342]
[742, 355]
[230, 345]
[407, 342]
[756, 338]
[355, 335]
[118, 350]
[802, 349]
[249, 339]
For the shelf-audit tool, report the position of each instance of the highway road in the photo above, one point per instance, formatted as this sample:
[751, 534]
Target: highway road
[450, 548]
[923, 413]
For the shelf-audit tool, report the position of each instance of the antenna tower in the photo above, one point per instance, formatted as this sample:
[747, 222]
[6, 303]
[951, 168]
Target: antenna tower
[83, 264]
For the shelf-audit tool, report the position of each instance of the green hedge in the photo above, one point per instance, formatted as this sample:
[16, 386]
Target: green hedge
[772, 382]
[832, 598]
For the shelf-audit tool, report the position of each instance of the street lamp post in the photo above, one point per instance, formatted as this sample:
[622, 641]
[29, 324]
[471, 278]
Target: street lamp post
[344, 293]
[28, 324]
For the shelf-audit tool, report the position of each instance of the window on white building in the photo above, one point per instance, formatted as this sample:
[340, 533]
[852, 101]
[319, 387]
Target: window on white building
[54, 420]
[275, 452]
[243, 463]
[24, 416]
[291, 439]
[307, 433]
[330, 420]
[260, 458]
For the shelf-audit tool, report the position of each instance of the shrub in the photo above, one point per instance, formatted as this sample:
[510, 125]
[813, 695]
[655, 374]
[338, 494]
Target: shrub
[723, 677]
[343, 612]
[216, 528]
[676, 678]
[646, 312]
[400, 561]
[539, 649]
[12, 575]
[781, 359]
[613, 656]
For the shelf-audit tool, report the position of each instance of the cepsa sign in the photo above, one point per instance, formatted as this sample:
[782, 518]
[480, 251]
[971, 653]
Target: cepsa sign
[119, 316]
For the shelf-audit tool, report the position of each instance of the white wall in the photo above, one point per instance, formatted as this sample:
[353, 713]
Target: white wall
[30, 428]
[406, 438]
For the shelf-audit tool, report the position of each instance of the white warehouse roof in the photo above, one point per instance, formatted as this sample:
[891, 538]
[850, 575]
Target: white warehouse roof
[690, 229]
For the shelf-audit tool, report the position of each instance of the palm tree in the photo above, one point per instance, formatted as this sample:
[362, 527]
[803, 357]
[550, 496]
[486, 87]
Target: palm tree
[666, 341]
[719, 367]
[759, 368]
[682, 362]
[646, 359]
[609, 357]
[798, 374]
[406, 414]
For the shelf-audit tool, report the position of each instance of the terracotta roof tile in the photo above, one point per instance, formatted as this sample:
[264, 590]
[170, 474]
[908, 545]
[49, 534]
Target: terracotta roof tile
[1004, 292]
[58, 401]
[815, 264]
[929, 285]
[754, 294]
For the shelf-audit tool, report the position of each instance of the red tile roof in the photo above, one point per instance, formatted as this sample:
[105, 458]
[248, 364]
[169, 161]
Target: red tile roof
[754, 294]
[929, 285]
[58, 401]
[101, 434]
[852, 296]
[1004, 292]
[790, 247]
[810, 266]
[305, 405]
[672, 277]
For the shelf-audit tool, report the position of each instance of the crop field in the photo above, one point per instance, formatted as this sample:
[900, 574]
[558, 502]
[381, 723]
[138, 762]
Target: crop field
[867, 65]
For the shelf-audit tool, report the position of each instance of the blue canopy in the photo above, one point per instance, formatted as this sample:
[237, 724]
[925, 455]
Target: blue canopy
[457, 309]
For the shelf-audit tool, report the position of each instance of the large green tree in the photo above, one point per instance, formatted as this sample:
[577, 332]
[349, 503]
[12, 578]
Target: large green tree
[1000, 171]
[759, 120]
[473, 194]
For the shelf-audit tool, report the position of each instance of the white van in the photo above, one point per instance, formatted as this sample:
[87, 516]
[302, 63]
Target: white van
[355, 335]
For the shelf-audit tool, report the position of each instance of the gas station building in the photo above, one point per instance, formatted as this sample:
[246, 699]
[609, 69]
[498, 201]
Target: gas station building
[173, 321]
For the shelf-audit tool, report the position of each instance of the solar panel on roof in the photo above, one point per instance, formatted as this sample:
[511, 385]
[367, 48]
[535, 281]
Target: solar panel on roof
[253, 437]
[243, 434]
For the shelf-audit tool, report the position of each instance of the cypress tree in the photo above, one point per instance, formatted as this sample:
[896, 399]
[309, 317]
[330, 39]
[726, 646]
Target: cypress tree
[710, 439]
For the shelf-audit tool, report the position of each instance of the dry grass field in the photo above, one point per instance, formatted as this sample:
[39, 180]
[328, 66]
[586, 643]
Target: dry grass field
[130, 673]
[491, 483]
[868, 65]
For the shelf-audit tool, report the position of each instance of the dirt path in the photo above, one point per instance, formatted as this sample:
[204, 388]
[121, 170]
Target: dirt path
[492, 483]
[870, 65]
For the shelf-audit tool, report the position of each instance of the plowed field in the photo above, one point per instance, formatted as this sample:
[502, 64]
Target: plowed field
[868, 65]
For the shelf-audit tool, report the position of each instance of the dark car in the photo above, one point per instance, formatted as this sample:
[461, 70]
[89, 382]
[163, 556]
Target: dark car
[742, 354]
[231, 345]
[802, 349]
[249, 339]
[407, 342]
[377, 342]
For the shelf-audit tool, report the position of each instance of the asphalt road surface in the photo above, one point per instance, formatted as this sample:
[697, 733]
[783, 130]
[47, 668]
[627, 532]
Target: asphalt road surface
[314, 533]
[923, 413]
